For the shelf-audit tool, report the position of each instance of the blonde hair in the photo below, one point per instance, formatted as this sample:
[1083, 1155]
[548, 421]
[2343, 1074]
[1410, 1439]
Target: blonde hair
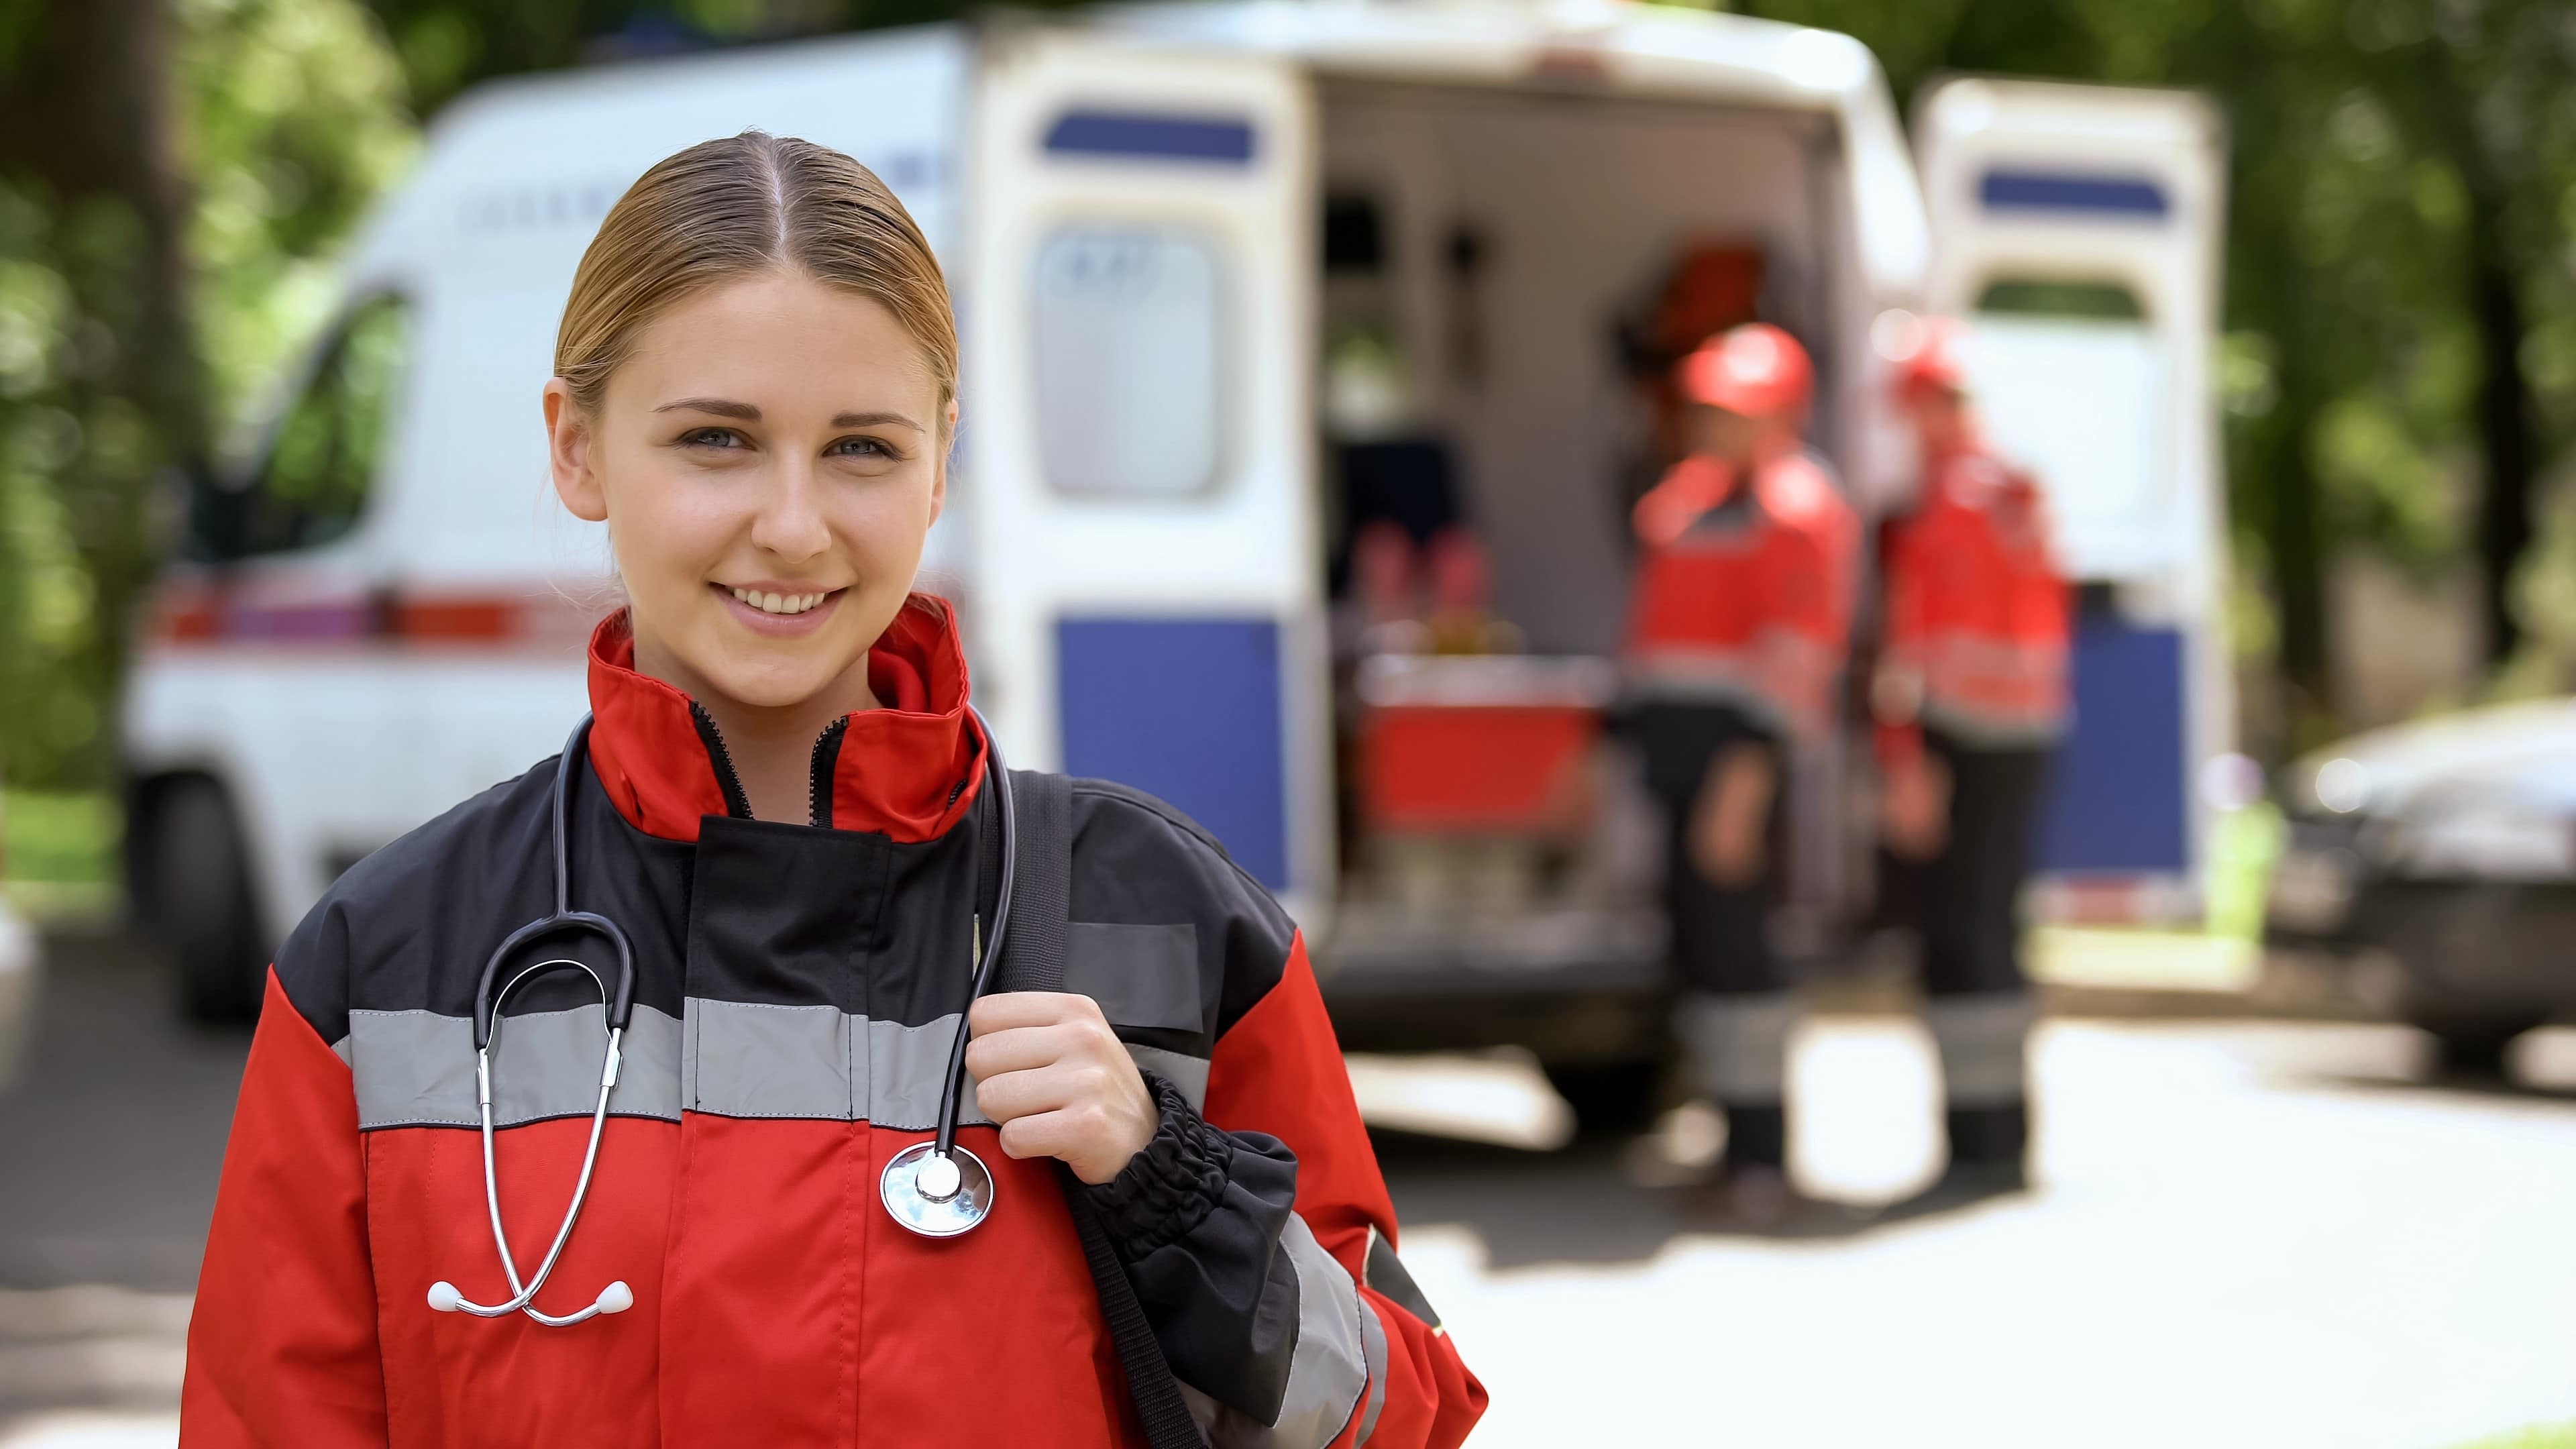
[729, 208]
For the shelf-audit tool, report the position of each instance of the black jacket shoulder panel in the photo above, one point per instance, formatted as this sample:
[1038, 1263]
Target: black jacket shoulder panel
[1138, 861]
[367, 943]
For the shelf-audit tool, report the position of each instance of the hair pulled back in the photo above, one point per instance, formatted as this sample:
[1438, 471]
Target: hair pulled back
[727, 209]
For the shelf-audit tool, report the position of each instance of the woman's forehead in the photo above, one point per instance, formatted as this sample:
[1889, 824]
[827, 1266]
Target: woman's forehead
[800, 344]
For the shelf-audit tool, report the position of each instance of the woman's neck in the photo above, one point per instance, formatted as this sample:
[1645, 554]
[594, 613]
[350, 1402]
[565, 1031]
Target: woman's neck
[771, 746]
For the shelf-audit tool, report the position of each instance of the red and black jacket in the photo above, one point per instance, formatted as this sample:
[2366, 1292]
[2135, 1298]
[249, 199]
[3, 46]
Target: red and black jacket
[797, 988]
[1978, 624]
[1741, 613]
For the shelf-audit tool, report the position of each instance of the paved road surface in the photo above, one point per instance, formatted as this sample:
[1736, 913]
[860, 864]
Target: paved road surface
[2250, 1235]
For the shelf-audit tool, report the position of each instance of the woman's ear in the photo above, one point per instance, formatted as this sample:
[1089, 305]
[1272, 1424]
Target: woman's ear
[568, 451]
[939, 476]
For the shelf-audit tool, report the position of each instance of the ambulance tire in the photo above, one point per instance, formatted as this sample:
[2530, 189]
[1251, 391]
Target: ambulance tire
[1616, 1098]
[194, 897]
[2471, 1043]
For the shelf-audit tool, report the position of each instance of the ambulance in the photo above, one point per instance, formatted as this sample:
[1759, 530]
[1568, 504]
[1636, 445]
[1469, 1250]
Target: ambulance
[1308, 350]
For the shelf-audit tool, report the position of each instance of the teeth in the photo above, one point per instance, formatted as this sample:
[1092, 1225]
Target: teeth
[779, 603]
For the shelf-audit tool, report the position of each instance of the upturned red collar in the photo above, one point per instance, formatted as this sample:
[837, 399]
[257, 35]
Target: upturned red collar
[908, 769]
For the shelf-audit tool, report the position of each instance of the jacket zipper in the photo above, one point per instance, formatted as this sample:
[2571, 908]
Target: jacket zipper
[827, 758]
[737, 804]
[827, 761]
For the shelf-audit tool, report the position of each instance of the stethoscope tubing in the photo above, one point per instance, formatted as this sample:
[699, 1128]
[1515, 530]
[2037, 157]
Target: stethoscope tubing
[952, 1087]
[617, 1002]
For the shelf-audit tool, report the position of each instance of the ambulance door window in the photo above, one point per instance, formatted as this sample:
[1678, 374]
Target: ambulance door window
[322, 461]
[2073, 383]
[1130, 360]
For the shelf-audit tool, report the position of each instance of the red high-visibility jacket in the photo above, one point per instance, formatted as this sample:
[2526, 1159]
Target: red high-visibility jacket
[796, 991]
[1977, 616]
[1742, 595]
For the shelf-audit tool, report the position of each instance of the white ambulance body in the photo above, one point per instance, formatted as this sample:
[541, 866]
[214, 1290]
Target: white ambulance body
[385, 608]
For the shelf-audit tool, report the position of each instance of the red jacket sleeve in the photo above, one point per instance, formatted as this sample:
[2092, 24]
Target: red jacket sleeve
[1278, 1070]
[1808, 629]
[282, 1348]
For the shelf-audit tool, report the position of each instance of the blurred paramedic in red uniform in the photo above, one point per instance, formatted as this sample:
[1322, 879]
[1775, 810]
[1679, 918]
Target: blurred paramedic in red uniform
[1970, 700]
[1735, 642]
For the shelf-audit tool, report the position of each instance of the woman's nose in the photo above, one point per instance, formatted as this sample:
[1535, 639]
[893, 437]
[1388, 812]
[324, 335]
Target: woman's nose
[791, 524]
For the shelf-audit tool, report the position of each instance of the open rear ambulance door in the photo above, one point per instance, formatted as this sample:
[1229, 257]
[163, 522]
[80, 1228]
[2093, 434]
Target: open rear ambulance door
[2077, 229]
[1137, 451]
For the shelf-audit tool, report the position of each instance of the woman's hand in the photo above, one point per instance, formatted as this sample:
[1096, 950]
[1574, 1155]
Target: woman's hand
[1048, 1068]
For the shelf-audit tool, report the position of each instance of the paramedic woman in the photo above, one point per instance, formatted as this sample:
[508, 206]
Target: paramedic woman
[784, 801]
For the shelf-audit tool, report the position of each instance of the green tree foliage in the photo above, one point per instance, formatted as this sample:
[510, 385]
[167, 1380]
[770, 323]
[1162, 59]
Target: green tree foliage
[2400, 365]
[151, 277]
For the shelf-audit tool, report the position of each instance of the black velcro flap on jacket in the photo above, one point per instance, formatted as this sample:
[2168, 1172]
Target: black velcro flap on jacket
[1140, 975]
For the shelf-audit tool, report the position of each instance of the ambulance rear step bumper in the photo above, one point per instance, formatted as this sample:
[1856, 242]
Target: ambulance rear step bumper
[1573, 985]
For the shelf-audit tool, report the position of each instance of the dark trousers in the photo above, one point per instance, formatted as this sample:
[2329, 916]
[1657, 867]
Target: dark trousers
[1735, 1005]
[1965, 901]
[1972, 896]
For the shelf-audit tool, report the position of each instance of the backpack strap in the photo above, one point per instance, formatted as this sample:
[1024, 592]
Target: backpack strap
[1033, 958]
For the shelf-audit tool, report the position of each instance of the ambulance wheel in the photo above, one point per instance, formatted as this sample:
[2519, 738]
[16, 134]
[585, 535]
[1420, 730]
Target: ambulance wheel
[194, 898]
[2470, 1043]
[1613, 1098]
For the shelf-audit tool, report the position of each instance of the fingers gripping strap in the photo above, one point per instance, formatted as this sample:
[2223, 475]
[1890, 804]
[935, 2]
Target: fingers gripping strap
[1033, 956]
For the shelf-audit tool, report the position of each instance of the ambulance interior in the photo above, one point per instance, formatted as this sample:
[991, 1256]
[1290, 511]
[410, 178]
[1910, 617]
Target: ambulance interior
[1507, 277]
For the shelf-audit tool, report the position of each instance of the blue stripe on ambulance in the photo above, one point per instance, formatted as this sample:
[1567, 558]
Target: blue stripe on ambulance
[1152, 136]
[2013, 189]
[1188, 709]
[2118, 795]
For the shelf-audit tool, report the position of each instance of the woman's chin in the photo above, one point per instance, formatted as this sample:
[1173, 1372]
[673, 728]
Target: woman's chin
[801, 683]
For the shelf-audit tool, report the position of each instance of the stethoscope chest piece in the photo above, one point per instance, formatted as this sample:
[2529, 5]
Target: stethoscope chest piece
[935, 1195]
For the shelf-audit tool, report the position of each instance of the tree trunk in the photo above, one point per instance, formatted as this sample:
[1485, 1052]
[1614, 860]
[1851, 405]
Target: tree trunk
[2505, 433]
[2292, 527]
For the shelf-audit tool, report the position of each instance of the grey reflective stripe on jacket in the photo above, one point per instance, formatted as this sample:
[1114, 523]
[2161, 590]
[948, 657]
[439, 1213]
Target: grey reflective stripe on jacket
[1338, 1372]
[729, 1058]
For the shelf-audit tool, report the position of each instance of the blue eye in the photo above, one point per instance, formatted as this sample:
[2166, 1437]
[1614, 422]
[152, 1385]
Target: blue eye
[710, 438]
[861, 448]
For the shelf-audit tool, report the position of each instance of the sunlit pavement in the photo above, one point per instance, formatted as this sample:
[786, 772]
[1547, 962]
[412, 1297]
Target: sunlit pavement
[2256, 1235]
[2247, 1234]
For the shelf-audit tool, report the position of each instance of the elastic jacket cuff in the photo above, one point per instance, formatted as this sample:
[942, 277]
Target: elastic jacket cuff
[1168, 1189]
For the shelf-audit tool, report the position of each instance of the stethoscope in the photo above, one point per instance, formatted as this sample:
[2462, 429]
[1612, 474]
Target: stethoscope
[936, 1188]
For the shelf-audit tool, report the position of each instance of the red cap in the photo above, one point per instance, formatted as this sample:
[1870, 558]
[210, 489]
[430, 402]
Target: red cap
[1756, 369]
[1929, 357]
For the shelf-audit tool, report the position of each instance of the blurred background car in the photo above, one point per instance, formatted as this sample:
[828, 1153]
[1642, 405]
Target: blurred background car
[2445, 850]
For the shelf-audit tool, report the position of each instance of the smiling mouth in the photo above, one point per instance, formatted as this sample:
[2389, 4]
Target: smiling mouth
[789, 604]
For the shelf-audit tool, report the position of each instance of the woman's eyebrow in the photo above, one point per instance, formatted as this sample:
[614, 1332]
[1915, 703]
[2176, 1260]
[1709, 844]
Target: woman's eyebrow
[744, 412]
[871, 420]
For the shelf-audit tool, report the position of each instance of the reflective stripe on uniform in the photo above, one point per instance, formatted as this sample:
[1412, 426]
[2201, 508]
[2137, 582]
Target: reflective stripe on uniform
[729, 1058]
[1373, 1341]
[1983, 1043]
[1780, 677]
[416, 1068]
[1341, 1351]
[1739, 1045]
